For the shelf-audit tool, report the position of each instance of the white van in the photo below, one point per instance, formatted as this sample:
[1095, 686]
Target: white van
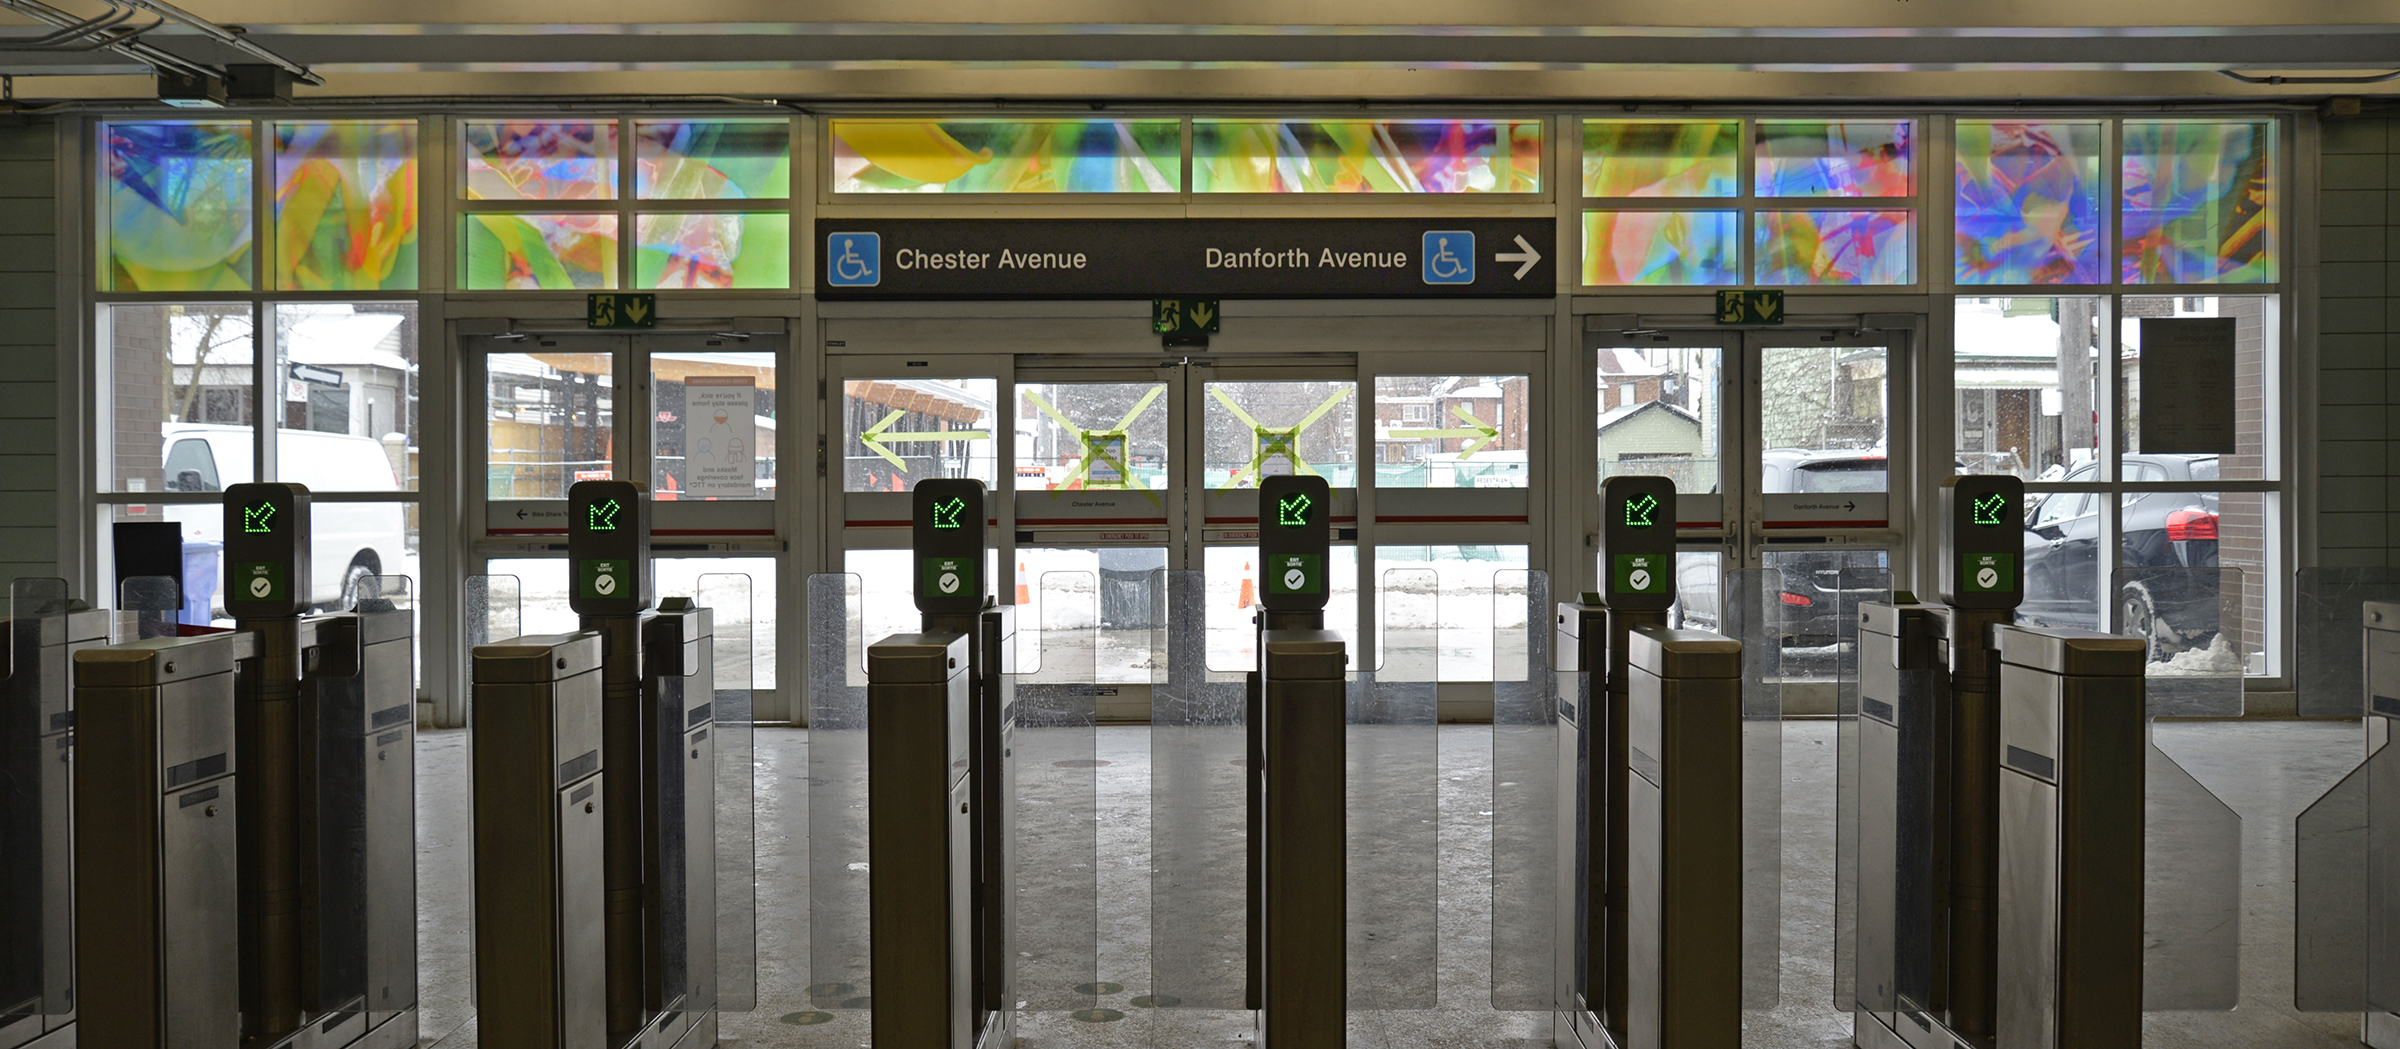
[351, 541]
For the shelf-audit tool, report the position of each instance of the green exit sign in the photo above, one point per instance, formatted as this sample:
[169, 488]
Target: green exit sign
[621, 309]
[1749, 307]
[1183, 316]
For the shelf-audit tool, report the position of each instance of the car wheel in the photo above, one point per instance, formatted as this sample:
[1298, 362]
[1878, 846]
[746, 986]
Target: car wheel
[2137, 616]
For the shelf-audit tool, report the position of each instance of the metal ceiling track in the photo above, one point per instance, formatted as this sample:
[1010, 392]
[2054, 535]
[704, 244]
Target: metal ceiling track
[111, 30]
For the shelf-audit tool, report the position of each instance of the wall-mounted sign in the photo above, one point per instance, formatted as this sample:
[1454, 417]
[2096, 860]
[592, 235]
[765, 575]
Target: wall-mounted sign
[1188, 258]
[1184, 316]
[621, 309]
[1749, 307]
[320, 376]
[2187, 380]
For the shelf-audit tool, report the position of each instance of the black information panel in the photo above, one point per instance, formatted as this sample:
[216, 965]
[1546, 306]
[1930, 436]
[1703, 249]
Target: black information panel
[946, 528]
[1186, 258]
[608, 545]
[266, 550]
[1982, 566]
[1295, 532]
[1637, 543]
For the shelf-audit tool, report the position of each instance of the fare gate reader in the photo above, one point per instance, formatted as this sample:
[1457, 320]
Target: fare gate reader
[1297, 718]
[940, 757]
[1649, 724]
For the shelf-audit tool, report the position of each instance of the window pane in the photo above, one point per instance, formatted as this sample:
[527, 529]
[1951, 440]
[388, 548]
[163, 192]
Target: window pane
[939, 428]
[1473, 436]
[541, 161]
[1661, 247]
[1007, 156]
[706, 250]
[2014, 414]
[2028, 207]
[2255, 391]
[179, 382]
[550, 422]
[1625, 158]
[681, 577]
[1836, 247]
[1366, 156]
[1822, 415]
[1096, 435]
[1816, 159]
[1270, 429]
[539, 252]
[179, 200]
[713, 436]
[1127, 602]
[346, 206]
[346, 375]
[712, 159]
[1661, 414]
[2199, 202]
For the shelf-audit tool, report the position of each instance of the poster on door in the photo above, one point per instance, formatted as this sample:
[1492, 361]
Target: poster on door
[720, 436]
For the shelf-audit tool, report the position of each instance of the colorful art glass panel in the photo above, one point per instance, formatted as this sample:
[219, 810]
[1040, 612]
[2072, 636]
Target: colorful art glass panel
[2028, 208]
[1661, 247]
[1835, 247]
[713, 250]
[556, 252]
[179, 206]
[567, 160]
[1822, 159]
[346, 206]
[1624, 158]
[2199, 202]
[1007, 156]
[712, 159]
[1366, 156]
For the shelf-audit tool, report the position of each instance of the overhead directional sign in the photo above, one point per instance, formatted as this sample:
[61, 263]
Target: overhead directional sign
[1191, 259]
[621, 309]
[1184, 316]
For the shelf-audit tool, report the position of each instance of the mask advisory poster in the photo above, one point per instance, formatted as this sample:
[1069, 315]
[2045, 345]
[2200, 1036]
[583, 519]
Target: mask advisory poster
[720, 437]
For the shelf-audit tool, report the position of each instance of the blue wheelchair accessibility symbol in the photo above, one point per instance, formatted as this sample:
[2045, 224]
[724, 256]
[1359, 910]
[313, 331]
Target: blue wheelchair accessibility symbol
[854, 260]
[1448, 256]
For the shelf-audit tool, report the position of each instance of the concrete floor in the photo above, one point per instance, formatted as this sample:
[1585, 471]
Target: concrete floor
[2265, 771]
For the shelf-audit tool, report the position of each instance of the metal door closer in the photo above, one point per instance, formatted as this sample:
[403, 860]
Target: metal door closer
[1298, 868]
[2000, 809]
[1650, 937]
[281, 912]
[597, 744]
[940, 717]
[37, 769]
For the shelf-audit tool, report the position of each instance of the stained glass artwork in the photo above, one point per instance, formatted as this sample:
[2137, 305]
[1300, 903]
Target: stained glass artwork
[1834, 247]
[179, 206]
[566, 160]
[2199, 202]
[554, 252]
[1834, 159]
[1661, 247]
[346, 206]
[1007, 156]
[713, 250]
[1366, 156]
[1624, 158]
[712, 159]
[2028, 208]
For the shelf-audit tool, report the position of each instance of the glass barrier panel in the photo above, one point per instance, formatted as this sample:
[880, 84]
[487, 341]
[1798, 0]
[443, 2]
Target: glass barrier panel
[154, 604]
[1757, 598]
[836, 836]
[1525, 786]
[2192, 886]
[1200, 816]
[2329, 893]
[727, 596]
[1057, 803]
[2329, 659]
[2191, 619]
[1392, 815]
[493, 608]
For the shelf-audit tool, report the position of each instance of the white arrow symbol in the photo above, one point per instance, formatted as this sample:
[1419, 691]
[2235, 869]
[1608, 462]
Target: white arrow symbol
[1527, 256]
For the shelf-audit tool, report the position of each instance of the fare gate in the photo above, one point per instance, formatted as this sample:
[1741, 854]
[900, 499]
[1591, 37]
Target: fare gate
[2347, 843]
[45, 629]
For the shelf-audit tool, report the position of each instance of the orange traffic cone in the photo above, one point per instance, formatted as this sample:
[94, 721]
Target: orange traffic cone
[1024, 596]
[1249, 588]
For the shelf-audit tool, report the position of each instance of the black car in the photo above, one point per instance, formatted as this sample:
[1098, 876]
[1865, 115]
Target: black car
[1808, 606]
[2165, 533]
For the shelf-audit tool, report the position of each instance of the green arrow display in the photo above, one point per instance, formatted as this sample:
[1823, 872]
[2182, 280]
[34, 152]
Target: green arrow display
[1292, 511]
[1988, 509]
[255, 518]
[1638, 510]
[875, 436]
[945, 515]
[602, 517]
[1476, 428]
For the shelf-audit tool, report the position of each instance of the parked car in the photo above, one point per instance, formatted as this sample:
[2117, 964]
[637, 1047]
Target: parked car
[350, 541]
[2163, 532]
